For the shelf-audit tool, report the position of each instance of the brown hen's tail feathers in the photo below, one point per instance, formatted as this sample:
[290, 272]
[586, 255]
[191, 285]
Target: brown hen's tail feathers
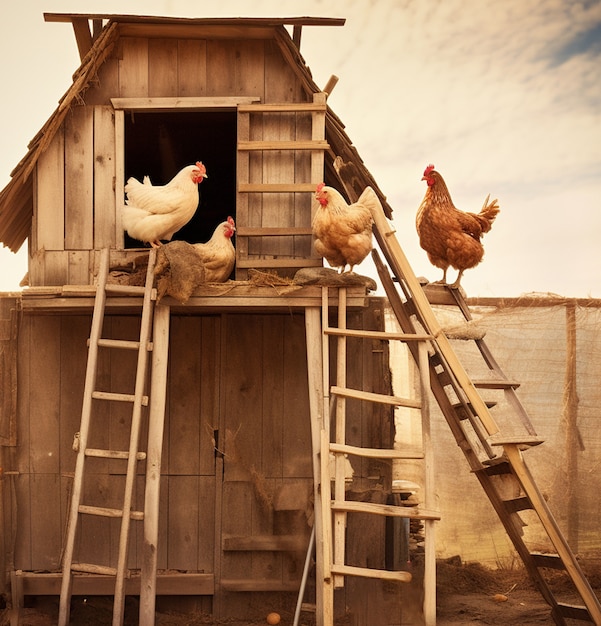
[488, 213]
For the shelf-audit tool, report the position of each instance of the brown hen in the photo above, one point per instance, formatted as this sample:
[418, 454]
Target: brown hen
[451, 237]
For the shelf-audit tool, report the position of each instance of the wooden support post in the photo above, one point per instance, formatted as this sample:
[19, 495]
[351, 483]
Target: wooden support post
[317, 401]
[429, 498]
[156, 422]
[340, 436]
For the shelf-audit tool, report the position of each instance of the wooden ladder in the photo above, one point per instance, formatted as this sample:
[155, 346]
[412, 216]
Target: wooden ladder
[328, 442]
[477, 433]
[138, 400]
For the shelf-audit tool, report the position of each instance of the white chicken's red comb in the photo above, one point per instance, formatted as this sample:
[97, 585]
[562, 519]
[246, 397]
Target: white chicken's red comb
[428, 169]
[320, 187]
[230, 219]
[201, 167]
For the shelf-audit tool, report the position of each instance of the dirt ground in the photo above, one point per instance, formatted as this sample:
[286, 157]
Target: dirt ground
[466, 595]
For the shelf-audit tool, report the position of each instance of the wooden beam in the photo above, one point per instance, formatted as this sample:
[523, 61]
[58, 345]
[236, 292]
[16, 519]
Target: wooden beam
[35, 584]
[83, 36]
[175, 104]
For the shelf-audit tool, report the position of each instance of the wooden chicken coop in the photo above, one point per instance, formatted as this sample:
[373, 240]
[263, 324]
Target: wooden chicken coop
[236, 481]
[256, 461]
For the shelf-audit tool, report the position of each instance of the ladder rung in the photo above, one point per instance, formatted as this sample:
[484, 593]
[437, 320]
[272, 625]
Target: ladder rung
[375, 397]
[376, 334]
[523, 441]
[551, 561]
[118, 397]
[113, 454]
[90, 568]
[119, 343]
[571, 611]
[517, 504]
[129, 290]
[498, 383]
[365, 572]
[108, 512]
[390, 510]
[100, 510]
[373, 453]
[464, 414]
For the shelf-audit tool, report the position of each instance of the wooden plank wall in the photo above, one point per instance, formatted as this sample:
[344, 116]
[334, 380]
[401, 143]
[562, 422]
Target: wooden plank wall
[236, 471]
[75, 204]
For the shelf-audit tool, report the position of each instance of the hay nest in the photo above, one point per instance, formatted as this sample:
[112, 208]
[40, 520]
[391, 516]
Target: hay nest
[326, 277]
[178, 271]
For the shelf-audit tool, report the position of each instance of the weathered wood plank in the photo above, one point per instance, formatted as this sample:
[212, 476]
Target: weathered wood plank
[46, 532]
[191, 67]
[104, 177]
[50, 207]
[133, 68]
[79, 168]
[274, 406]
[211, 374]
[162, 67]
[44, 394]
[185, 401]
[296, 434]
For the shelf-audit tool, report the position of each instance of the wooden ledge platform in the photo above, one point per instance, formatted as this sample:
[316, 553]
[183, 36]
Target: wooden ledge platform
[233, 295]
[168, 583]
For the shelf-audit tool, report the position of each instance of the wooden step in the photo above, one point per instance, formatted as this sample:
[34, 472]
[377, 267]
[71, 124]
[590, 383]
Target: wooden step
[572, 611]
[390, 510]
[369, 396]
[522, 441]
[365, 572]
[463, 414]
[113, 454]
[108, 512]
[552, 561]
[118, 397]
[90, 568]
[517, 504]
[376, 334]
[498, 466]
[373, 453]
[495, 383]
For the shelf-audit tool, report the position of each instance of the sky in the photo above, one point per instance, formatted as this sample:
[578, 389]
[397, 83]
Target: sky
[502, 96]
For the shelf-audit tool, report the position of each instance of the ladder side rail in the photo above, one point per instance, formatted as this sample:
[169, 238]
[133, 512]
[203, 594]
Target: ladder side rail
[156, 423]
[136, 419]
[86, 412]
[521, 471]
[515, 533]
[340, 438]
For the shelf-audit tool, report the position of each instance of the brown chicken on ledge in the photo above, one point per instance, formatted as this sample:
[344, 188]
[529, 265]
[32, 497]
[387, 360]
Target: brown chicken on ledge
[451, 237]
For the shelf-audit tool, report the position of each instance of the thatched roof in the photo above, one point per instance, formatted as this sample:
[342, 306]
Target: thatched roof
[16, 199]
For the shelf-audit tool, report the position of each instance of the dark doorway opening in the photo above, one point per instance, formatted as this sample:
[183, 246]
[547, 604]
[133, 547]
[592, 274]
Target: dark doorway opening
[159, 145]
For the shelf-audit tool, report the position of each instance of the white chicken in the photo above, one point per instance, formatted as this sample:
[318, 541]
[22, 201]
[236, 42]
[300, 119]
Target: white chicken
[152, 213]
[342, 232]
[218, 254]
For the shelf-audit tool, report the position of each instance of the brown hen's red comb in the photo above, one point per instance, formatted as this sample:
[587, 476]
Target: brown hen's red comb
[428, 169]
